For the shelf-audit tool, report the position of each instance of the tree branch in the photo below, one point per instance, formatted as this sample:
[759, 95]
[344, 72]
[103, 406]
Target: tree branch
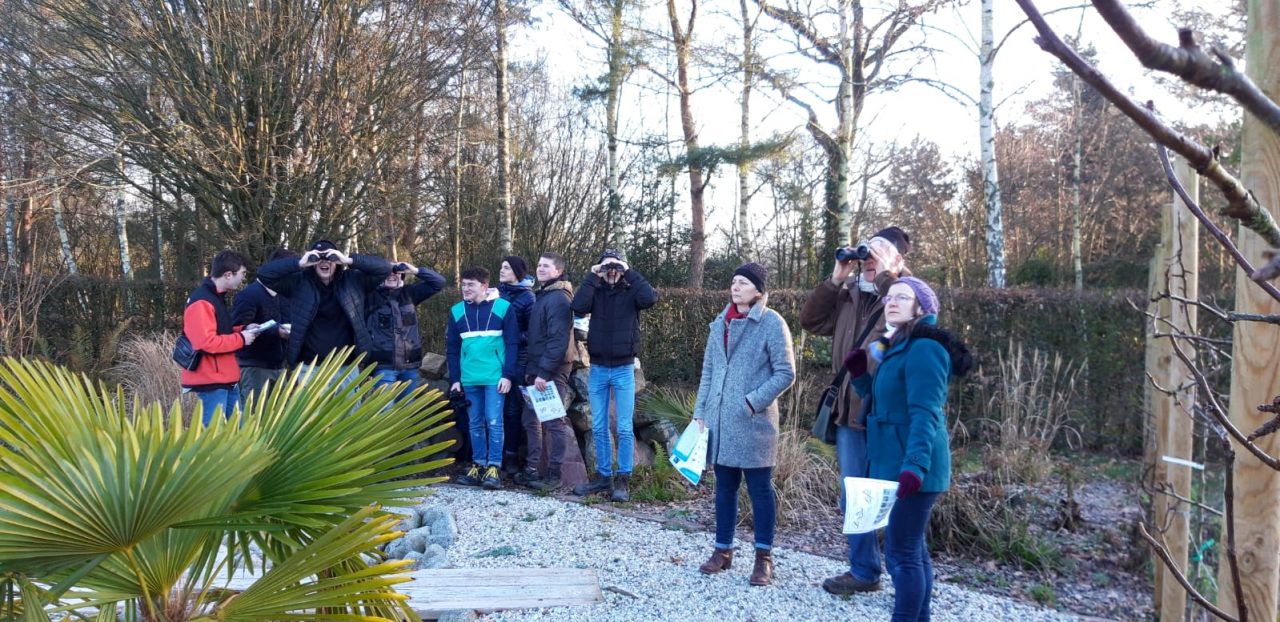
[1163, 553]
[1241, 204]
[1190, 62]
[1213, 229]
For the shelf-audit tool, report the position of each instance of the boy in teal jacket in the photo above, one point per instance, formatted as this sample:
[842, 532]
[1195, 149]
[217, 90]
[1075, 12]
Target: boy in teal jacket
[483, 338]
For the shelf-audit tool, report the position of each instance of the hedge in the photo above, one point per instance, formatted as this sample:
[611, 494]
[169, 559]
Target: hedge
[83, 318]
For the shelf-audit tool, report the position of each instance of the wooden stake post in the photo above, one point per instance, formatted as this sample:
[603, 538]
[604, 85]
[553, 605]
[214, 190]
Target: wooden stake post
[1175, 270]
[1256, 347]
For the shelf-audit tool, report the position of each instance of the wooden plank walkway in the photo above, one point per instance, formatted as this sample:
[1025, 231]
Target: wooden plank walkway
[434, 591]
[495, 589]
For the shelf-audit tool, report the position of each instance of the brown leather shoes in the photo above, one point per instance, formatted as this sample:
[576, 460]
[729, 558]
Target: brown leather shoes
[721, 559]
[762, 573]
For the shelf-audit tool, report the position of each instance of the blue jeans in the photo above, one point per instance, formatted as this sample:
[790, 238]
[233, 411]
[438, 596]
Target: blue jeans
[763, 504]
[622, 379]
[384, 376]
[907, 557]
[213, 399]
[485, 424]
[306, 369]
[864, 550]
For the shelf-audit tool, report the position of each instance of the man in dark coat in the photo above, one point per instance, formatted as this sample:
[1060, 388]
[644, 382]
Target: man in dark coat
[847, 307]
[548, 361]
[326, 289]
[263, 361]
[614, 294]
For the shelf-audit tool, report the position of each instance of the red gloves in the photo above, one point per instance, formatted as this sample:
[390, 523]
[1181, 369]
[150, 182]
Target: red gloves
[856, 363]
[908, 484]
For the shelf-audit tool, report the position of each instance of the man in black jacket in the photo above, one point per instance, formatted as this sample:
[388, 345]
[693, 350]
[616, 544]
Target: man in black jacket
[614, 295]
[263, 361]
[548, 361]
[326, 289]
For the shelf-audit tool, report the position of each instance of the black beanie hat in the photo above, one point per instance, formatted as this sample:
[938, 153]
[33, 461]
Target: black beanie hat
[897, 236]
[753, 272]
[518, 267]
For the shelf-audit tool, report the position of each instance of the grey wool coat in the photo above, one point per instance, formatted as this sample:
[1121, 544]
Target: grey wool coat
[757, 367]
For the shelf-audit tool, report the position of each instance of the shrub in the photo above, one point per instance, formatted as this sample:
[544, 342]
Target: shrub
[1098, 331]
[146, 369]
[1031, 402]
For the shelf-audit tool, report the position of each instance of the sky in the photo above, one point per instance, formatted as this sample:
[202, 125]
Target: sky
[1023, 73]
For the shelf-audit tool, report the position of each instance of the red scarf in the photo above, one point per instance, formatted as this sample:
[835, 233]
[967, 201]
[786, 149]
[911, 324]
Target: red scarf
[729, 317]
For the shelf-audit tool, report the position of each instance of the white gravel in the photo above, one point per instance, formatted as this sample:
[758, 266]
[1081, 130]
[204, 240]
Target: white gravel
[660, 568]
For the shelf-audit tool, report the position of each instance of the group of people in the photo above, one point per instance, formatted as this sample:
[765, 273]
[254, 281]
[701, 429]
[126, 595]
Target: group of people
[897, 365]
[302, 309]
[894, 366]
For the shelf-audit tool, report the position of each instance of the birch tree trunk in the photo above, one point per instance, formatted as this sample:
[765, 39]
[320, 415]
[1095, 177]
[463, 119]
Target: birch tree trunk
[505, 238]
[1255, 355]
[1077, 158]
[681, 37]
[122, 233]
[457, 176]
[745, 246]
[64, 241]
[10, 239]
[617, 75]
[987, 140]
[848, 108]
[155, 224]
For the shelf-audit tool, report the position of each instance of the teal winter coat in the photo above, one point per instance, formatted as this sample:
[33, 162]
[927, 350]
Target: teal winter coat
[906, 421]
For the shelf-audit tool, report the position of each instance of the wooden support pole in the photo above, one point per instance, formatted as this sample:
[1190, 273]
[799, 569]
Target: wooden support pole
[1256, 347]
[1178, 274]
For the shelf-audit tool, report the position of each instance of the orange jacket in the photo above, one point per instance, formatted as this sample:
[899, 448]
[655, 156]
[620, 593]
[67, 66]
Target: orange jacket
[207, 323]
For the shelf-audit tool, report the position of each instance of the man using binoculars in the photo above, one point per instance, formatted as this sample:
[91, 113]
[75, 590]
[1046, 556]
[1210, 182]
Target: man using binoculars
[614, 294]
[327, 292]
[847, 307]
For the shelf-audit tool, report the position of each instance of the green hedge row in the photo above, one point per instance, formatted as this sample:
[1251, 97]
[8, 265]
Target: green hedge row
[82, 320]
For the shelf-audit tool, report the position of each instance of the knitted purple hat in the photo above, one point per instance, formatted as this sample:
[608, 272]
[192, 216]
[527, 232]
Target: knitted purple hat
[924, 294]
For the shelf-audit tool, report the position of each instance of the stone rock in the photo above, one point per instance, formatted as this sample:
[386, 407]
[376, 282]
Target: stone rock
[444, 531]
[580, 416]
[644, 455]
[434, 366]
[580, 382]
[662, 432]
[640, 382]
[457, 615]
[435, 557]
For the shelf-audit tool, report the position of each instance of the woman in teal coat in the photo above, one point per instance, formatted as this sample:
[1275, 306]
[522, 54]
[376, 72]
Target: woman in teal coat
[907, 439]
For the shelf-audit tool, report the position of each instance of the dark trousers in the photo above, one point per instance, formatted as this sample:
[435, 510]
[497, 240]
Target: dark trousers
[558, 430]
[513, 441]
[907, 557]
[763, 504]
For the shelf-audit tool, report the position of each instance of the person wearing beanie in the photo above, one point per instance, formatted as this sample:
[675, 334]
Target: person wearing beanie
[908, 394]
[746, 365]
[613, 293]
[847, 308]
[515, 285]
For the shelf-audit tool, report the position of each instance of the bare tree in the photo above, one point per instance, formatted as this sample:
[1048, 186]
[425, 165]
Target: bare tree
[862, 51]
[1248, 579]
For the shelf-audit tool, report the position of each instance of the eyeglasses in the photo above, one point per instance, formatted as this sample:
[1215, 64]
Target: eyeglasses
[902, 298]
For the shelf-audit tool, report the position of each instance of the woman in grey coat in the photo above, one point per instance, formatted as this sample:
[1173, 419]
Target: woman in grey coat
[748, 363]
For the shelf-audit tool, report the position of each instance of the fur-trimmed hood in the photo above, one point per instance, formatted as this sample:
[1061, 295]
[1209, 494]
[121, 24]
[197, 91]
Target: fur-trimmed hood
[961, 358]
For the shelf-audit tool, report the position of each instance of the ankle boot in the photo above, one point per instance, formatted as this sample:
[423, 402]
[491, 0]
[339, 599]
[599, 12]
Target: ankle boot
[620, 492]
[721, 559]
[762, 573]
[552, 482]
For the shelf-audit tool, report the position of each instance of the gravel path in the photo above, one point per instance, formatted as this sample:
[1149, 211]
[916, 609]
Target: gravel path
[651, 573]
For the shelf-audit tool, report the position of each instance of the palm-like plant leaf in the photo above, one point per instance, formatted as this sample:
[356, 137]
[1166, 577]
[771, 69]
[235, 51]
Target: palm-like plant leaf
[104, 488]
[290, 591]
